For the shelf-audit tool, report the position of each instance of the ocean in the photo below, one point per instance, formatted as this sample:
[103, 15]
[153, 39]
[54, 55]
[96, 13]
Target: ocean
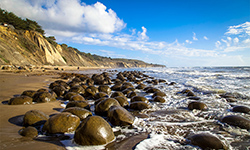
[170, 124]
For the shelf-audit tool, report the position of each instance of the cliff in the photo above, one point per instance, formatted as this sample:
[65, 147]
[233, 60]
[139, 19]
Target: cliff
[23, 47]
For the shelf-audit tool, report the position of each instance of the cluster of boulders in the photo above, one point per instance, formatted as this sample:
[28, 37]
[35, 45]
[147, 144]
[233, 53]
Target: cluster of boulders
[112, 100]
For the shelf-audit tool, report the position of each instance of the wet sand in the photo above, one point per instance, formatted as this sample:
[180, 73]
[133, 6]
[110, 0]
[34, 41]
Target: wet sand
[11, 115]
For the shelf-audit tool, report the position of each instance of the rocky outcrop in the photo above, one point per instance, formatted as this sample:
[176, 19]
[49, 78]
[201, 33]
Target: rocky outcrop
[19, 47]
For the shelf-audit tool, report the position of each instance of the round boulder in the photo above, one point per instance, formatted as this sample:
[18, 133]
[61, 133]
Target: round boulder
[139, 98]
[119, 116]
[77, 89]
[159, 99]
[29, 93]
[241, 109]
[91, 91]
[43, 97]
[197, 105]
[59, 90]
[81, 104]
[61, 123]
[238, 121]
[94, 130]
[122, 100]
[117, 93]
[34, 117]
[100, 95]
[139, 105]
[104, 88]
[77, 97]
[29, 132]
[79, 112]
[69, 95]
[103, 106]
[206, 141]
[159, 93]
[20, 100]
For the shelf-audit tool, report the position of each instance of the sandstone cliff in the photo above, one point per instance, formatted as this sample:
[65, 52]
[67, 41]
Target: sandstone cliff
[23, 47]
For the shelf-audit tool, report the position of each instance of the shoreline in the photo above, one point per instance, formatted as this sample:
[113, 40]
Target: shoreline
[13, 83]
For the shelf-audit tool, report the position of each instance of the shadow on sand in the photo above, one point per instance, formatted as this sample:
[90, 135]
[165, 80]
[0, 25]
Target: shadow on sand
[17, 120]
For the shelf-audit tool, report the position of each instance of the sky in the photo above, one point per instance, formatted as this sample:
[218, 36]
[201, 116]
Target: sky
[175, 33]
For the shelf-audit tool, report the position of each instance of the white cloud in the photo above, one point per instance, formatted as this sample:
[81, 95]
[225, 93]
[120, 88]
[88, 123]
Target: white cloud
[194, 37]
[218, 44]
[142, 35]
[205, 38]
[236, 41]
[189, 42]
[68, 16]
[243, 29]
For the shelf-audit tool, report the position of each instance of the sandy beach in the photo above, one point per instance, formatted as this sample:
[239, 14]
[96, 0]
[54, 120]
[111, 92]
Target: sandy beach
[13, 84]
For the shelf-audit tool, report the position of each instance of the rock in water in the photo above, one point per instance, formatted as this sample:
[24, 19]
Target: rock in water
[29, 132]
[119, 116]
[20, 100]
[238, 121]
[197, 105]
[79, 112]
[206, 141]
[139, 105]
[123, 101]
[242, 109]
[103, 106]
[34, 117]
[94, 130]
[61, 123]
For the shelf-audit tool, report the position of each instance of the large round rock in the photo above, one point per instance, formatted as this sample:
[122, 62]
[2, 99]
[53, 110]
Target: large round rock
[81, 104]
[241, 109]
[122, 100]
[34, 117]
[103, 106]
[43, 97]
[94, 130]
[29, 93]
[238, 121]
[139, 105]
[29, 132]
[79, 112]
[20, 100]
[139, 98]
[197, 105]
[61, 123]
[206, 141]
[119, 116]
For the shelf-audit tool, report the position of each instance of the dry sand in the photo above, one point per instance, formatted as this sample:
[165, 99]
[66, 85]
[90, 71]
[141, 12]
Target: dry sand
[14, 84]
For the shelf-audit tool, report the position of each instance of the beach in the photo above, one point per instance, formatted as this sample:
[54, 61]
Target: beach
[13, 83]
[164, 125]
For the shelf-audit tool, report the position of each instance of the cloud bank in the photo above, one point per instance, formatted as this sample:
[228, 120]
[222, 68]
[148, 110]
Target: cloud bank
[67, 17]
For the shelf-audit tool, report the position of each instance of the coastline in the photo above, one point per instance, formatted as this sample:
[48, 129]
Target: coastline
[13, 83]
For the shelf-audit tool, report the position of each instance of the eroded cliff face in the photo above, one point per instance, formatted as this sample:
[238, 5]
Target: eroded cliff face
[31, 48]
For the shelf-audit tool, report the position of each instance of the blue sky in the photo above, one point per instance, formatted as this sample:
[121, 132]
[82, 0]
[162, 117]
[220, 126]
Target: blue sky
[176, 33]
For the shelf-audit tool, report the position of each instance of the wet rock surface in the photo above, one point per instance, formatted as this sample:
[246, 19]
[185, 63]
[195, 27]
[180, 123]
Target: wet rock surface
[34, 117]
[61, 123]
[132, 103]
[94, 131]
[20, 100]
[119, 116]
[206, 141]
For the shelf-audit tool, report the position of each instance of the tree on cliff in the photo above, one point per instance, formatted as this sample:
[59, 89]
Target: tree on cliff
[19, 23]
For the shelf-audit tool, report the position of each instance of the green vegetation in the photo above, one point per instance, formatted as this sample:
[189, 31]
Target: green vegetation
[51, 40]
[4, 59]
[19, 23]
